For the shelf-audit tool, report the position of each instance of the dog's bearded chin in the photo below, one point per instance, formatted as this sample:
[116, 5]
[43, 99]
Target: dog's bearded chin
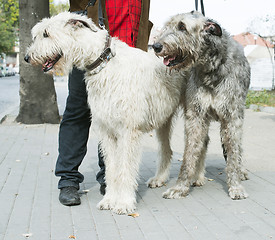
[50, 62]
[172, 61]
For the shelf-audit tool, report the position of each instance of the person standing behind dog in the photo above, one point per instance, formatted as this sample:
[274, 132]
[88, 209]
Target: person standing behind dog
[129, 21]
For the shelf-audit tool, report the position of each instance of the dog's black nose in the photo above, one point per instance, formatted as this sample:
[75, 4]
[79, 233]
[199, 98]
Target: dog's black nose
[157, 47]
[27, 58]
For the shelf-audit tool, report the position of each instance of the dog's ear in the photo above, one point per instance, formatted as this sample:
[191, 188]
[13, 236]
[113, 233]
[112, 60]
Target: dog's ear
[77, 23]
[213, 28]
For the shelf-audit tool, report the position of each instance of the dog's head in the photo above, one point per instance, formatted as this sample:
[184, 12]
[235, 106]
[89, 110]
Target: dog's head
[62, 41]
[183, 38]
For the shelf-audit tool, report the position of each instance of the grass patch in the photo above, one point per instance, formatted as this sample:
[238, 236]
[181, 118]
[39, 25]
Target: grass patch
[261, 98]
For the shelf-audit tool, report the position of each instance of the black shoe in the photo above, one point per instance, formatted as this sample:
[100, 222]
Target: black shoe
[102, 189]
[69, 196]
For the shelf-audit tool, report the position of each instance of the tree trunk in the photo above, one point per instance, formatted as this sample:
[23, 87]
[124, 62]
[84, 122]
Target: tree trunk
[37, 93]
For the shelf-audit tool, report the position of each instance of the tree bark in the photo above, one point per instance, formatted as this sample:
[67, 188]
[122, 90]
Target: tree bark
[38, 102]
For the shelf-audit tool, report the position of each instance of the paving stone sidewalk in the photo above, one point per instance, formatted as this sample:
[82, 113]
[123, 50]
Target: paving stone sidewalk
[29, 206]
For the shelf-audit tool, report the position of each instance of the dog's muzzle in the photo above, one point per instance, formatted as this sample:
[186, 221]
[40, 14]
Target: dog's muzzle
[50, 62]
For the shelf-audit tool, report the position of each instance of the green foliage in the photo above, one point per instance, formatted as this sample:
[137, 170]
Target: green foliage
[7, 38]
[262, 98]
[9, 21]
[58, 8]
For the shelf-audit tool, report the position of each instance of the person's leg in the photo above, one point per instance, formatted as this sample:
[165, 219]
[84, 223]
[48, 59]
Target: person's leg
[100, 177]
[73, 137]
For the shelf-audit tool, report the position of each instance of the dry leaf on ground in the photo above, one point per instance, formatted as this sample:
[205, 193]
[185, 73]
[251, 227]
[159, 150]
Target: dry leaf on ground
[134, 215]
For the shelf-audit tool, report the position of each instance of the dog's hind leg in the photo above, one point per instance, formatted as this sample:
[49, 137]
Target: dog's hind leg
[162, 173]
[196, 130]
[244, 173]
[231, 135]
[199, 179]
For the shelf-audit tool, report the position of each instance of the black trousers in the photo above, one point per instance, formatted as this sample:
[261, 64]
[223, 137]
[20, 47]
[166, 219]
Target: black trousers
[73, 135]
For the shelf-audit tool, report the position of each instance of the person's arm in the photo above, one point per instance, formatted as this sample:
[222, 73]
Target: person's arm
[145, 26]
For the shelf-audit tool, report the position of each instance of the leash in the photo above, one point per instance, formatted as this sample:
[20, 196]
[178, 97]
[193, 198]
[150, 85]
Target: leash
[100, 13]
[202, 7]
[85, 11]
[107, 54]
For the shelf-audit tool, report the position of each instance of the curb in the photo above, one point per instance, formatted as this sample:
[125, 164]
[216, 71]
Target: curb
[258, 108]
[13, 110]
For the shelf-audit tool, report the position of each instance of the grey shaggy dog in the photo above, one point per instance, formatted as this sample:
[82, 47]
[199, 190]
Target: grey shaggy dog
[216, 91]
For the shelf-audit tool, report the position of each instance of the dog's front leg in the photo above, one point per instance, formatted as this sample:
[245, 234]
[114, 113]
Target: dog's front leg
[162, 173]
[121, 175]
[196, 130]
[231, 136]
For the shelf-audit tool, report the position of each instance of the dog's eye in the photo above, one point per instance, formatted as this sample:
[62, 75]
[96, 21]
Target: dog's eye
[45, 34]
[181, 26]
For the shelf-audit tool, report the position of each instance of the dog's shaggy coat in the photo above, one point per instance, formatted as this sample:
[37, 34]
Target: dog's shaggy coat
[216, 90]
[132, 95]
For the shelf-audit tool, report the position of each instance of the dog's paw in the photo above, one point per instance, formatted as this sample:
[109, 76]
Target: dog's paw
[105, 204]
[200, 182]
[176, 192]
[155, 182]
[124, 208]
[237, 192]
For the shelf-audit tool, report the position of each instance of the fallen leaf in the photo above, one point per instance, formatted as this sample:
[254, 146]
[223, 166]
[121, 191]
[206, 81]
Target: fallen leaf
[134, 215]
[72, 237]
[210, 179]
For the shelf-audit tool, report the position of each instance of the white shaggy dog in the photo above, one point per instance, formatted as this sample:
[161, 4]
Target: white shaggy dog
[130, 93]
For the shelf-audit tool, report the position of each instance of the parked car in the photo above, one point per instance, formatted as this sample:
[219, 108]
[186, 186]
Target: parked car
[16, 69]
[10, 71]
[2, 72]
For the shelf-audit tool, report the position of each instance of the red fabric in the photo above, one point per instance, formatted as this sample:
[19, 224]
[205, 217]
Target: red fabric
[123, 18]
